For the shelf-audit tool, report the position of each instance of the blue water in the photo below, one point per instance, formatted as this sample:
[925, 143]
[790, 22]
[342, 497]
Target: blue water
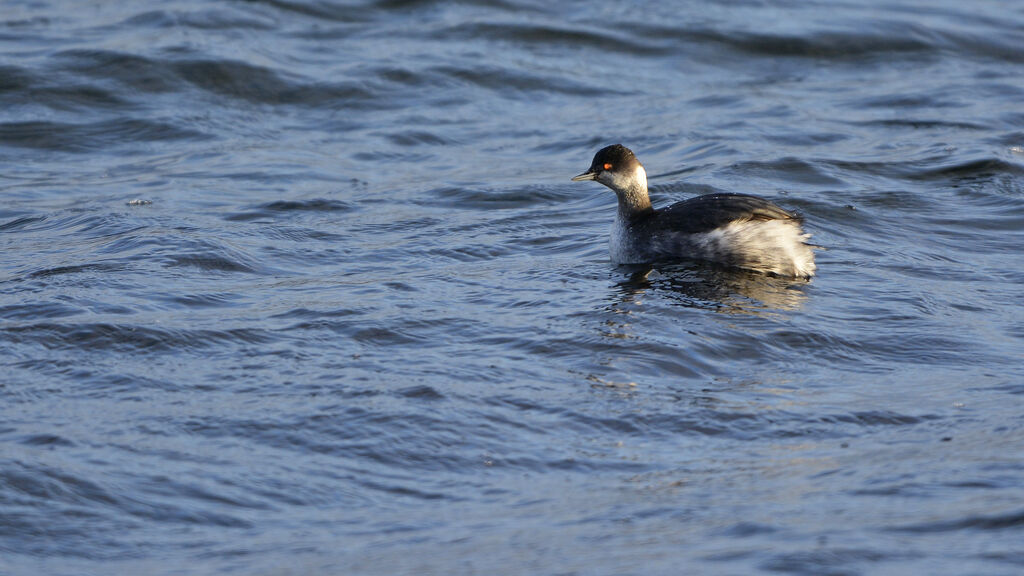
[303, 287]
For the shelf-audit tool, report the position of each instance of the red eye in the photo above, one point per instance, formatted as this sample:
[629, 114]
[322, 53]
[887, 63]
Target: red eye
[607, 166]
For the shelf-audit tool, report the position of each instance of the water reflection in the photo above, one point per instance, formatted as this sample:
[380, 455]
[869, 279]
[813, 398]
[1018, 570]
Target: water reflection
[706, 286]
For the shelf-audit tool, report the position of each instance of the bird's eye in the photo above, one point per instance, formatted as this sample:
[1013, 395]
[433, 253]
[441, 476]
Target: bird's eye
[607, 166]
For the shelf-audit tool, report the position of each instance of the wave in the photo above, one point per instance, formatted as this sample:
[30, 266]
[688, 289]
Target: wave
[129, 337]
[93, 136]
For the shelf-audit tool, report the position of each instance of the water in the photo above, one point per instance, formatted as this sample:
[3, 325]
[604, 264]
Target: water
[302, 287]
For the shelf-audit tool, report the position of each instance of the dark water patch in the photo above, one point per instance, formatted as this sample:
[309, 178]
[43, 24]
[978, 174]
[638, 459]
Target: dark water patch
[92, 137]
[79, 98]
[209, 20]
[716, 101]
[534, 35]
[208, 263]
[1011, 557]
[193, 516]
[282, 208]
[14, 79]
[473, 198]
[833, 45]
[981, 168]
[998, 47]
[898, 490]
[240, 80]
[401, 224]
[1012, 520]
[421, 392]
[739, 424]
[134, 72]
[129, 338]
[805, 138]
[202, 491]
[792, 169]
[47, 440]
[511, 83]
[210, 256]
[417, 138]
[930, 169]
[894, 201]
[262, 85]
[405, 491]
[206, 300]
[878, 418]
[99, 267]
[472, 253]
[92, 222]
[828, 561]
[315, 205]
[385, 337]
[923, 124]
[20, 222]
[401, 287]
[505, 5]
[747, 529]
[37, 481]
[406, 440]
[401, 75]
[37, 310]
[301, 235]
[309, 314]
[907, 102]
[936, 349]
[100, 383]
[320, 10]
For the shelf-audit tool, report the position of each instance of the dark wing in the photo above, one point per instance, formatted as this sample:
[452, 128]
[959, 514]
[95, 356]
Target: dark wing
[705, 213]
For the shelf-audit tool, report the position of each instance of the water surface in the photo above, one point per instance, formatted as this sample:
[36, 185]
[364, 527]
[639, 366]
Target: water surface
[303, 287]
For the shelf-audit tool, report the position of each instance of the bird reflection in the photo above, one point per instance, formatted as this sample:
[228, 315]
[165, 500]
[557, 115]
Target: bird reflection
[707, 286]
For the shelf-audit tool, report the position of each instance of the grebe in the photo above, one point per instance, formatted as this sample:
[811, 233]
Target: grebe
[737, 230]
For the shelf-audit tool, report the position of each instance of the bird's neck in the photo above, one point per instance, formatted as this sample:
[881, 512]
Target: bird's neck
[633, 198]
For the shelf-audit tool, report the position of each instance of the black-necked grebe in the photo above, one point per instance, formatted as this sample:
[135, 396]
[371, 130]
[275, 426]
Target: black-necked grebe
[736, 230]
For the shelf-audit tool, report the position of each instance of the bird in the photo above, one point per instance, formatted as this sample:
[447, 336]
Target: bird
[729, 229]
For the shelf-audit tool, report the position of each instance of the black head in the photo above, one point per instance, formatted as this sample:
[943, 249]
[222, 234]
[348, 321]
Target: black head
[615, 159]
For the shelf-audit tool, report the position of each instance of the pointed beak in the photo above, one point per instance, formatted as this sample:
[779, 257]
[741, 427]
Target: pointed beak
[588, 175]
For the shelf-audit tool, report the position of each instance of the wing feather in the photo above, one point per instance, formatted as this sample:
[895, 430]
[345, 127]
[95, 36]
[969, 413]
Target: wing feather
[705, 213]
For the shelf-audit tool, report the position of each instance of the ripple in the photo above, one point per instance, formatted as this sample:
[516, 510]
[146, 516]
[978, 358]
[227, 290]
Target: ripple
[534, 34]
[273, 210]
[830, 560]
[132, 71]
[791, 169]
[472, 198]
[76, 269]
[36, 310]
[208, 262]
[93, 136]
[129, 338]
[208, 19]
[923, 124]
[834, 45]
[20, 223]
[47, 440]
[932, 168]
[510, 81]
[1008, 521]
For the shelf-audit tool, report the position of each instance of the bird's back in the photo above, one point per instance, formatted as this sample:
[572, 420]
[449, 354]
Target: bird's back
[732, 229]
[711, 211]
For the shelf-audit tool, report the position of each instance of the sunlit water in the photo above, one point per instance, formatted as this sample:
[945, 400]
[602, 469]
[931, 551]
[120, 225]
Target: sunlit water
[303, 288]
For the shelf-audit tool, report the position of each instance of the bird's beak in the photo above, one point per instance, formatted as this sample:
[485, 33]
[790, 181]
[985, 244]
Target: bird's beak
[588, 175]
